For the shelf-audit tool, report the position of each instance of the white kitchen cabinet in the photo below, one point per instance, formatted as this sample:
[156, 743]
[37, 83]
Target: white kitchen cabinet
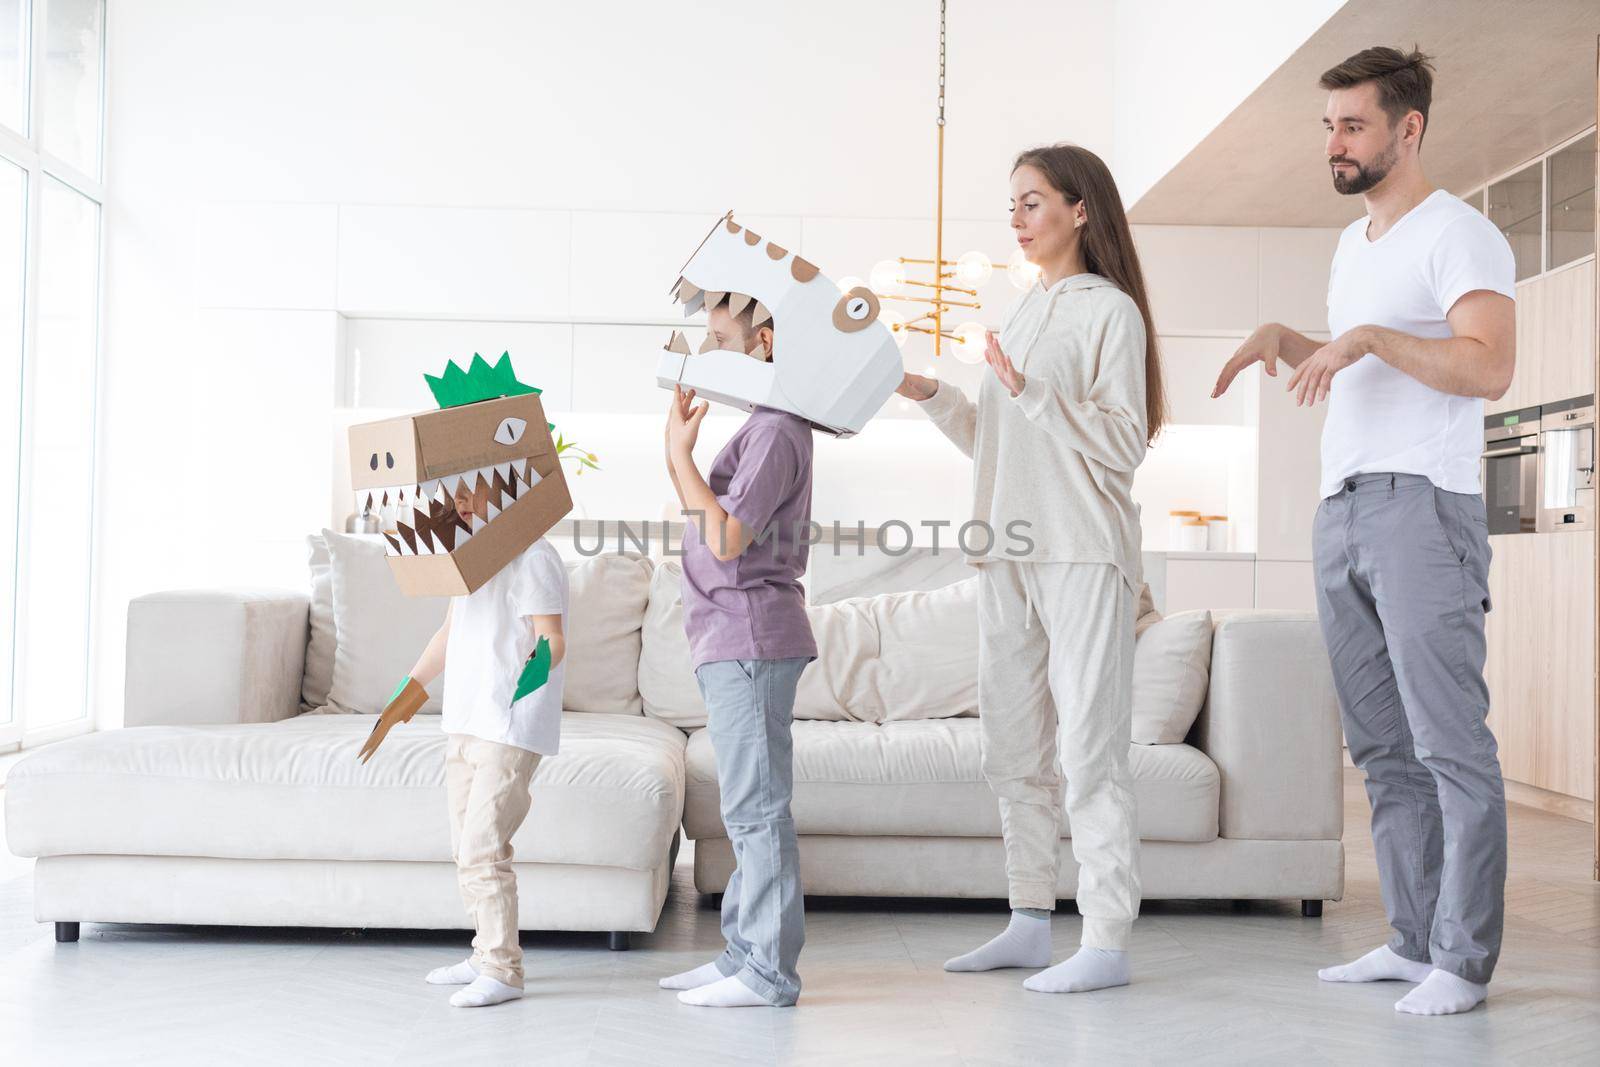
[1197, 582]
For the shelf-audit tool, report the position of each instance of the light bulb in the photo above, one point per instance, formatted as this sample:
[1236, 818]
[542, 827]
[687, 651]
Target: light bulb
[897, 325]
[970, 341]
[888, 276]
[973, 269]
[849, 282]
[1022, 273]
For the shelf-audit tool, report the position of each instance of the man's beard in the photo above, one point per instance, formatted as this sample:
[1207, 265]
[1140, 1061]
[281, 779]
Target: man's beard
[1365, 177]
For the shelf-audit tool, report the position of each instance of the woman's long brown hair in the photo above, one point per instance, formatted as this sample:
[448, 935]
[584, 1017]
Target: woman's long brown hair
[1080, 175]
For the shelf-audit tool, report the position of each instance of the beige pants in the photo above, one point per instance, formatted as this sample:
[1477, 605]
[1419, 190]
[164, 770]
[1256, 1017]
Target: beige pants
[487, 785]
[1055, 674]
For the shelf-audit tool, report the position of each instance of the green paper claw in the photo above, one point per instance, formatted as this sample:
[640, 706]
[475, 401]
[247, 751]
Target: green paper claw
[535, 672]
[455, 387]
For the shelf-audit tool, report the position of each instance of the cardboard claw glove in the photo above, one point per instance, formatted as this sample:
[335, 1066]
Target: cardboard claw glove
[535, 672]
[406, 702]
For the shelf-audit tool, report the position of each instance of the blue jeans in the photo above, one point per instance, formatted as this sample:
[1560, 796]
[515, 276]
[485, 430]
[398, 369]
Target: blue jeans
[750, 707]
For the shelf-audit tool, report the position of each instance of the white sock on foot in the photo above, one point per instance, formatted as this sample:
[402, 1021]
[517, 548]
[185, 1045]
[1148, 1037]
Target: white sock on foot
[1025, 942]
[1442, 993]
[1382, 964]
[724, 993]
[704, 974]
[455, 974]
[484, 991]
[1089, 968]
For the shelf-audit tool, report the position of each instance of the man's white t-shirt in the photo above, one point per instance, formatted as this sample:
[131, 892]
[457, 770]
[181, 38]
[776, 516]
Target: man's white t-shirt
[490, 640]
[1382, 420]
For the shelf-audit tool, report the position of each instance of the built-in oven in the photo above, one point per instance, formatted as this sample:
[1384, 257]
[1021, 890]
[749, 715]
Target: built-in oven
[1511, 470]
[1566, 465]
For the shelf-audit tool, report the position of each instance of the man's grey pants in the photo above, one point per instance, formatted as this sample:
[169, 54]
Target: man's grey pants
[1402, 589]
[749, 710]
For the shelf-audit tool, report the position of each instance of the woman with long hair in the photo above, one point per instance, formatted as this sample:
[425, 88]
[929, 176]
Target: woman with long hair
[1055, 436]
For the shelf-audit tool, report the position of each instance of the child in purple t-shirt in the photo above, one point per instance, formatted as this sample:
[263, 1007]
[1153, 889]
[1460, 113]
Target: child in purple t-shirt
[744, 550]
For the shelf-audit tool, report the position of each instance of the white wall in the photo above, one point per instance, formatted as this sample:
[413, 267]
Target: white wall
[292, 182]
[1181, 67]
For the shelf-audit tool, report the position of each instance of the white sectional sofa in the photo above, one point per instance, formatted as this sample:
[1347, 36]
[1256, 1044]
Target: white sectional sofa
[233, 795]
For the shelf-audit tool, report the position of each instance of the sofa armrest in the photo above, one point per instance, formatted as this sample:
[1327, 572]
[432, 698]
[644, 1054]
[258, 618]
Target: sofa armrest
[215, 656]
[1271, 725]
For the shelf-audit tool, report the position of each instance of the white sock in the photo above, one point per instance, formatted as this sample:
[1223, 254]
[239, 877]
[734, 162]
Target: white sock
[455, 974]
[1382, 964]
[484, 991]
[1442, 993]
[704, 974]
[1025, 942]
[724, 993]
[1089, 968]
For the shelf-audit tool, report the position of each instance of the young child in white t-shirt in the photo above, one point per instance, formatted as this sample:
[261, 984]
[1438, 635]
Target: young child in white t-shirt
[502, 650]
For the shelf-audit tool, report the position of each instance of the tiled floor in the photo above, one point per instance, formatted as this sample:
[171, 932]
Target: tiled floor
[1214, 982]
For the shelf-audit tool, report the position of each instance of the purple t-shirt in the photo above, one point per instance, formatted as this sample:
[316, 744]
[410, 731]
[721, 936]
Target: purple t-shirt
[753, 606]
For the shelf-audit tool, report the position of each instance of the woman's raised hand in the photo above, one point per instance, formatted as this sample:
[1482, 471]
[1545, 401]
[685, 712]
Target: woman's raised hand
[1009, 376]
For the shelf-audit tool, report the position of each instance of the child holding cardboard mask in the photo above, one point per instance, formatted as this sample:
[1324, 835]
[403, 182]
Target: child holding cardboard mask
[745, 548]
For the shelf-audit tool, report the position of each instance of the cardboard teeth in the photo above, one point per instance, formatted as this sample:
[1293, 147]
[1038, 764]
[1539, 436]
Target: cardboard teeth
[678, 343]
[737, 302]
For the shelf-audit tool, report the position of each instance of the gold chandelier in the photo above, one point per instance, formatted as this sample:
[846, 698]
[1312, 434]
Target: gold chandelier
[954, 282]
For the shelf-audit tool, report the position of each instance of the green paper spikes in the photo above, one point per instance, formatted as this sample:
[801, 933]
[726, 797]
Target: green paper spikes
[456, 387]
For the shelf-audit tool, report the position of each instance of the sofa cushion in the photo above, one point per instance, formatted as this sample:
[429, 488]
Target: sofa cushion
[924, 779]
[380, 632]
[605, 618]
[318, 678]
[910, 655]
[1171, 669]
[295, 790]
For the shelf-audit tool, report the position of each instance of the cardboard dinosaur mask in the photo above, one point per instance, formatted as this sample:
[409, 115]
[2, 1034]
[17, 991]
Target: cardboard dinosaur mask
[488, 441]
[833, 363]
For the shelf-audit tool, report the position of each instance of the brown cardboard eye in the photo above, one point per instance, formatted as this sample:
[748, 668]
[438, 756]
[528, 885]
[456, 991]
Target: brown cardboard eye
[374, 463]
[856, 310]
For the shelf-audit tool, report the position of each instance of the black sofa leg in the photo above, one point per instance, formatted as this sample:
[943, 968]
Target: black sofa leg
[66, 932]
[1311, 909]
[621, 941]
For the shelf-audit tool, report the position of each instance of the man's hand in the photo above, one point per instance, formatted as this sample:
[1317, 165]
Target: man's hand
[1313, 378]
[683, 422]
[1262, 347]
[1009, 376]
[916, 387]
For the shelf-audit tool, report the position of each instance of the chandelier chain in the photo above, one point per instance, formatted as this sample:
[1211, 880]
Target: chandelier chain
[941, 61]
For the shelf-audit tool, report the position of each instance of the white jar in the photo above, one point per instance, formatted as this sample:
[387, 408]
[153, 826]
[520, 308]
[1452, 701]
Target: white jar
[1192, 536]
[1175, 523]
[1216, 533]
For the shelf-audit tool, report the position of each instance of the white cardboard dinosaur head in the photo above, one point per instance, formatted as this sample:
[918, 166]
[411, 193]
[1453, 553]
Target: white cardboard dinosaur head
[833, 363]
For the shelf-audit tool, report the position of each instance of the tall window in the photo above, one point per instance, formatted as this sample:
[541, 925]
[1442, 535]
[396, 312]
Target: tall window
[52, 108]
